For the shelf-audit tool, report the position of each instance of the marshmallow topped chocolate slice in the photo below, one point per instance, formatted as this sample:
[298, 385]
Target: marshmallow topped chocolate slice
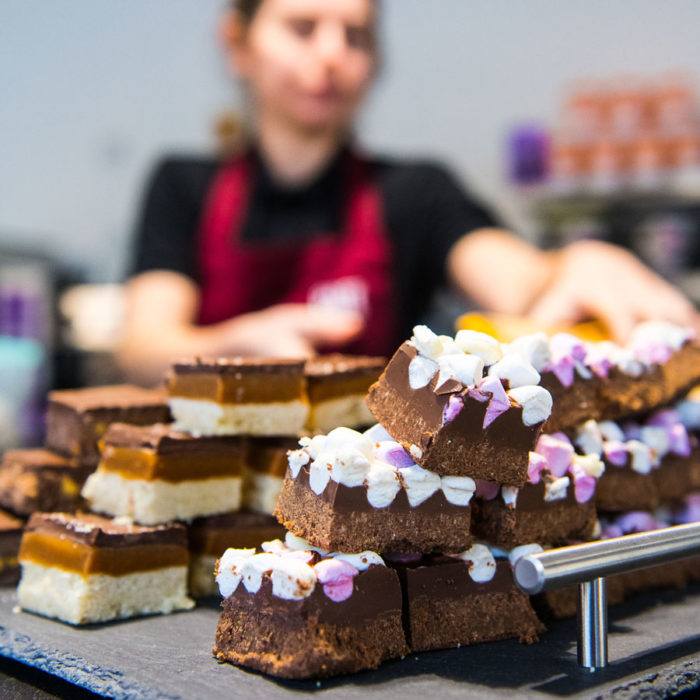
[239, 396]
[337, 386]
[349, 490]
[85, 568]
[293, 611]
[154, 474]
[462, 599]
[461, 406]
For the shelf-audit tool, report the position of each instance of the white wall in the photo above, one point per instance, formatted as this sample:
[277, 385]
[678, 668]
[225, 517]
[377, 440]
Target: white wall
[91, 91]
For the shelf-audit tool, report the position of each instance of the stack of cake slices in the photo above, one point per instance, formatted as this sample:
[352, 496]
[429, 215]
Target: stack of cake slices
[483, 452]
[50, 478]
[147, 480]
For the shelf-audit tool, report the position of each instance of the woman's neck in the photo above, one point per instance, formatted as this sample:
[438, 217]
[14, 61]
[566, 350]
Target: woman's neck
[293, 156]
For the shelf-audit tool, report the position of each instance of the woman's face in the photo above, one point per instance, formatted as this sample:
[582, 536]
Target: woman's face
[307, 61]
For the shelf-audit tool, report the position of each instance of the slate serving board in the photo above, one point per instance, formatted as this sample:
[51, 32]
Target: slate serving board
[654, 650]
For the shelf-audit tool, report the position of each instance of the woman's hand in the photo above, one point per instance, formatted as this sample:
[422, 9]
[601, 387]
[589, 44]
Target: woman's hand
[592, 279]
[160, 327]
[585, 280]
[289, 330]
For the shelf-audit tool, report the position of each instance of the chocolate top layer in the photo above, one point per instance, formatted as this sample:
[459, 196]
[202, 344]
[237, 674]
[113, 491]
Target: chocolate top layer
[240, 365]
[375, 591]
[162, 439]
[441, 577]
[242, 519]
[36, 460]
[108, 397]
[338, 364]
[346, 499]
[508, 430]
[97, 531]
[531, 497]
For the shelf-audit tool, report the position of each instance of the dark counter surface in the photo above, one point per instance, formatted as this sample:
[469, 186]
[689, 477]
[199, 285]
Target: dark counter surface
[654, 652]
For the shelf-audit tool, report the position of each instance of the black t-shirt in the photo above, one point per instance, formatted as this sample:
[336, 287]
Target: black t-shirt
[426, 211]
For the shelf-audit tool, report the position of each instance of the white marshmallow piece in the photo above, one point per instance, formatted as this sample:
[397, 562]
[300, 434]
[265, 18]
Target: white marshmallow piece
[480, 344]
[340, 438]
[642, 459]
[296, 460]
[228, 574]
[253, 568]
[536, 402]
[611, 431]
[589, 438]
[522, 551]
[350, 467]
[420, 371]
[292, 579]
[426, 342]
[377, 433]
[656, 438]
[274, 546]
[660, 332]
[516, 370]
[382, 484]
[415, 452]
[420, 484]
[509, 494]
[482, 565]
[320, 472]
[314, 446]
[299, 544]
[627, 363]
[467, 369]
[591, 464]
[361, 561]
[458, 490]
[449, 346]
[556, 489]
[534, 348]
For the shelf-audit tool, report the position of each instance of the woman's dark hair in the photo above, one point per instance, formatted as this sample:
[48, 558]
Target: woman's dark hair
[247, 8]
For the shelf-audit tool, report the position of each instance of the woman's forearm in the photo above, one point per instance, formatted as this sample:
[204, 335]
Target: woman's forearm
[499, 272]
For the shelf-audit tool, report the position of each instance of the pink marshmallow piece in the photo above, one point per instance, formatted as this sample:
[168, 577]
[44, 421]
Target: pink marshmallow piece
[563, 370]
[392, 453]
[557, 451]
[584, 484]
[488, 490]
[477, 395]
[336, 575]
[690, 512]
[535, 466]
[452, 409]
[666, 418]
[616, 453]
[679, 440]
[499, 402]
[637, 521]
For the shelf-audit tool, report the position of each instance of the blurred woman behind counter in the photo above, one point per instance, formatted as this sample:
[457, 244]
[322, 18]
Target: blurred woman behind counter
[301, 242]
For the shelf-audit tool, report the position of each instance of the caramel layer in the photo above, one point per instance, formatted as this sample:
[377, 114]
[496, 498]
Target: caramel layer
[325, 388]
[131, 463]
[242, 388]
[82, 559]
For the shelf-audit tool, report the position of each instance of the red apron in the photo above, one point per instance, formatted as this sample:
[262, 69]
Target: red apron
[350, 269]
